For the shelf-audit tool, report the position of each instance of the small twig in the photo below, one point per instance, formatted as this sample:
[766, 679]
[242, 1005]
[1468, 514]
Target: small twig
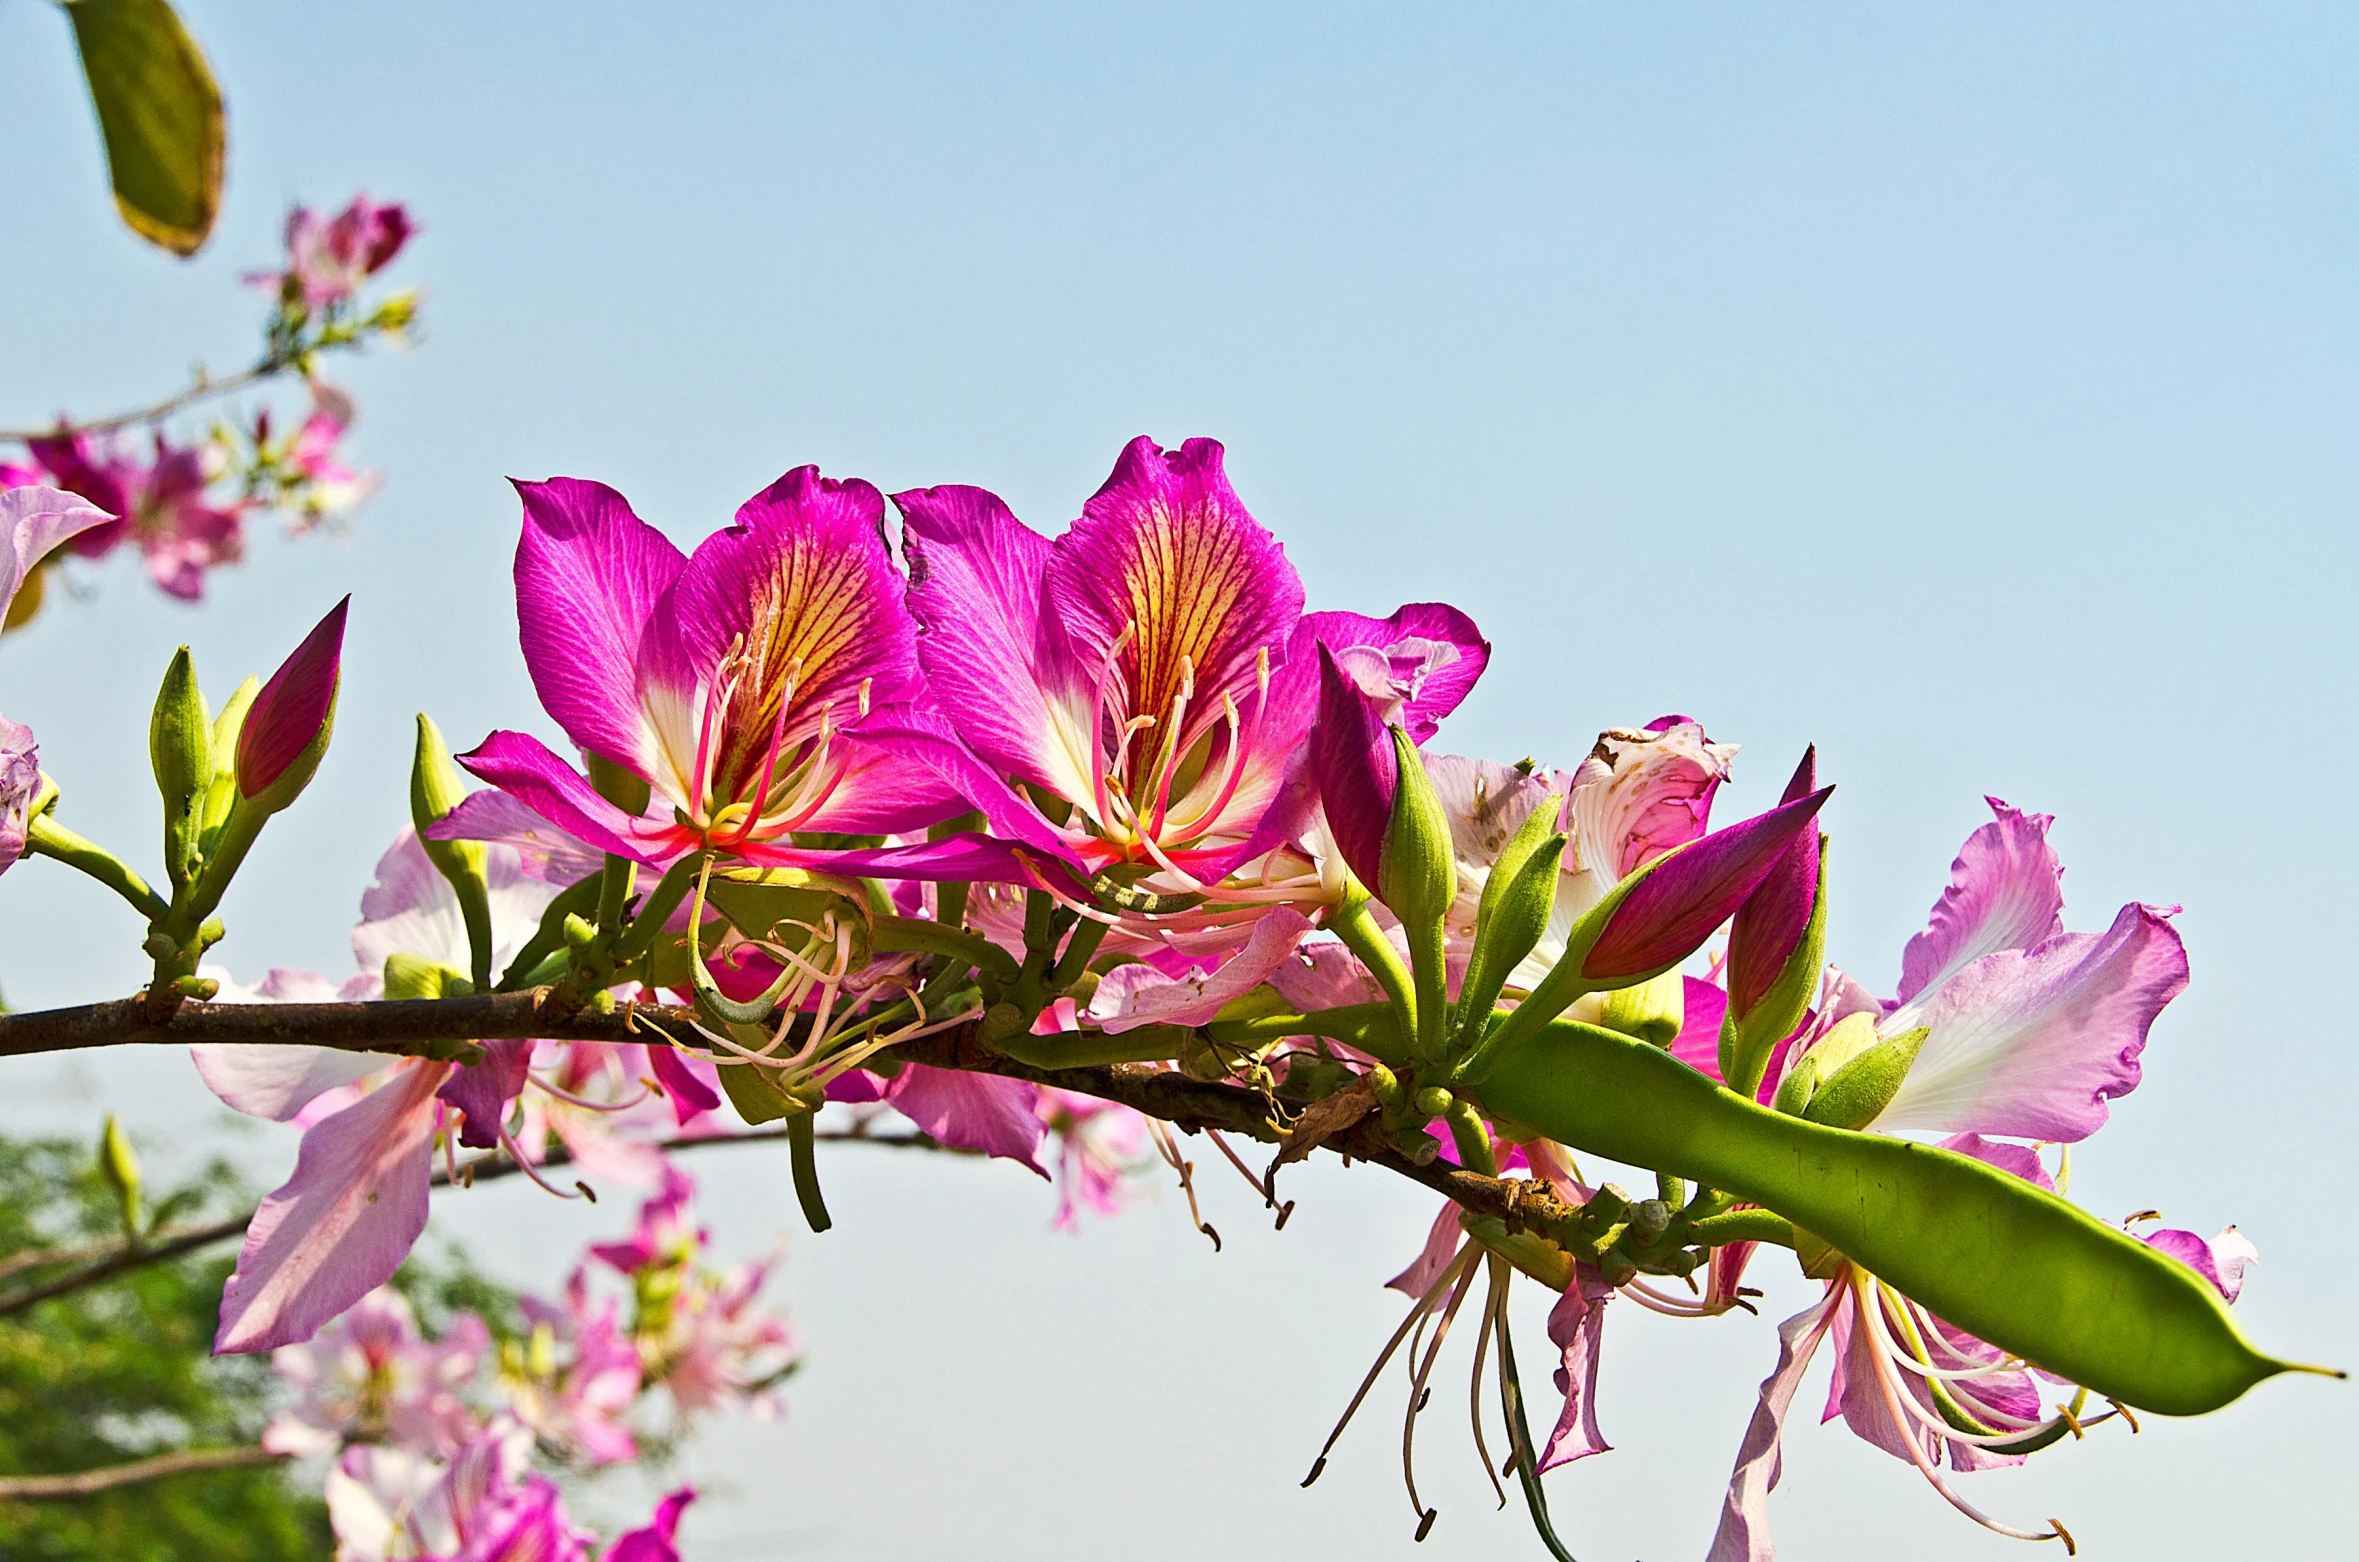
[204, 389]
[117, 1257]
[84, 1483]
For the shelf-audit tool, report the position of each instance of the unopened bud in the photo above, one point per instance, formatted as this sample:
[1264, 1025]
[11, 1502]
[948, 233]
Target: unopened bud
[287, 730]
[180, 751]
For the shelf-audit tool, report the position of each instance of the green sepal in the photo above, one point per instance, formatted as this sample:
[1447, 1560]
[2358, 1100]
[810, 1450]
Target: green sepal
[180, 751]
[436, 788]
[222, 792]
[1855, 1093]
[626, 789]
[1419, 873]
[757, 1100]
[1747, 1043]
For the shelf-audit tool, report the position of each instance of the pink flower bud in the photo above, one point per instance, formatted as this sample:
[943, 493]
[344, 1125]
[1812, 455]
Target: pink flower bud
[1358, 773]
[290, 718]
[1668, 916]
[1770, 925]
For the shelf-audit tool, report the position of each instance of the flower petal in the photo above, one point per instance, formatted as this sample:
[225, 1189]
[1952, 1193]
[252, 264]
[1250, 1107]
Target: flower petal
[2033, 1044]
[342, 1224]
[483, 1090]
[975, 575]
[654, 1541]
[1442, 1243]
[927, 737]
[1166, 564]
[542, 850]
[523, 767]
[973, 1111]
[588, 576]
[1136, 995]
[33, 522]
[264, 1079]
[2221, 1260]
[1429, 652]
[802, 588]
[1576, 1325]
[1743, 1535]
[2004, 892]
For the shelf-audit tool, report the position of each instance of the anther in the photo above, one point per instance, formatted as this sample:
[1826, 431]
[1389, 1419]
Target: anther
[2065, 1535]
[1425, 1525]
[1317, 1470]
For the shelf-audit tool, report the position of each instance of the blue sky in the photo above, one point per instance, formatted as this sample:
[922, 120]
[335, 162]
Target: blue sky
[1967, 389]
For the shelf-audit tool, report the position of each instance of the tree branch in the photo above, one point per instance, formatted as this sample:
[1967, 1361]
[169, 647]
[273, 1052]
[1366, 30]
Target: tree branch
[84, 1483]
[202, 390]
[103, 1261]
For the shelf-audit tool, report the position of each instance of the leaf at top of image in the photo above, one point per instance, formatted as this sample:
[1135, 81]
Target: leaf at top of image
[159, 110]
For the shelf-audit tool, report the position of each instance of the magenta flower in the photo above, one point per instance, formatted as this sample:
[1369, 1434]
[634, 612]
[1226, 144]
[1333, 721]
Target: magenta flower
[1100, 1144]
[762, 687]
[371, 1375]
[657, 1539]
[160, 505]
[1151, 669]
[329, 257]
[580, 1402]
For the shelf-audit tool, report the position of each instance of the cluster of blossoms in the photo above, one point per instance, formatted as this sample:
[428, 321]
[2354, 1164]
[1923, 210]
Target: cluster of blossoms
[431, 1444]
[915, 829]
[184, 506]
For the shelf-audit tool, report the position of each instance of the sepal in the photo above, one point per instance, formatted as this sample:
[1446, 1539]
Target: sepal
[180, 752]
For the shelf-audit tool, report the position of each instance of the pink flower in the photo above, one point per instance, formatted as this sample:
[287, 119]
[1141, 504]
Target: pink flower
[581, 1377]
[160, 505]
[329, 257]
[390, 1505]
[370, 1374]
[654, 1540]
[1099, 1143]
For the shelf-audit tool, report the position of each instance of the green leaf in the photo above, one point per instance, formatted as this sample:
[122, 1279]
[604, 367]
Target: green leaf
[159, 110]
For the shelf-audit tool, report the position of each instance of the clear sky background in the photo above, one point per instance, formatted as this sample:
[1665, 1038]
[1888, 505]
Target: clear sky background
[1967, 389]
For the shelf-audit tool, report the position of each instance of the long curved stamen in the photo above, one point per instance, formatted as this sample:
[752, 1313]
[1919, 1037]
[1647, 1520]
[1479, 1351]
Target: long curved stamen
[717, 696]
[586, 1104]
[516, 1154]
[1417, 1311]
[1917, 1358]
[1433, 1350]
[1232, 774]
[1916, 1453]
[1494, 1302]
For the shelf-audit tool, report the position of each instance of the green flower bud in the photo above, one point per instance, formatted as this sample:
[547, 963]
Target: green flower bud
[180, 751]
[435, 789]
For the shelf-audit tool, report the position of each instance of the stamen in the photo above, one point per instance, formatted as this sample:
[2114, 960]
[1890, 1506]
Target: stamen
[1417, 1310]
[1493, 1300]
[516, 1154]
[570, 1099]
[1097, 717]
[1417, 1390]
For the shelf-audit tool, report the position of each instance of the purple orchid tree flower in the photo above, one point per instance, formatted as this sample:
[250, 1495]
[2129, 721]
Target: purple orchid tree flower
[159, 504]
[2030, 1031]
[389, 1504]
[371, 1374]
[2025, 1031]
[762, 687]
[1143, 685]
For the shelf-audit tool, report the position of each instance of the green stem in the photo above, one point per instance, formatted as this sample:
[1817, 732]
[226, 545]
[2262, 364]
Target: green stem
[45, 837]
[1084, 1049]
[1371, 1027]
[803, 1156]
[1742, 1225]
[1081, 947]
[911, 935]
[655, 911]
[1360, 934]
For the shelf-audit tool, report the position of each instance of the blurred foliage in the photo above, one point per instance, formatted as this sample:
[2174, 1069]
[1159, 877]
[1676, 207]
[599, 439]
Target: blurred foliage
[120, 1370]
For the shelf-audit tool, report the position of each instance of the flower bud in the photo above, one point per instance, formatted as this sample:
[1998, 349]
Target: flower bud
[1663, 912]
[1418, 874]
[287, 730]
[1776, 949]
[1854, 1093]
[1516, 903]
[180, 751]
[120, 1167]
[1354, 763]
